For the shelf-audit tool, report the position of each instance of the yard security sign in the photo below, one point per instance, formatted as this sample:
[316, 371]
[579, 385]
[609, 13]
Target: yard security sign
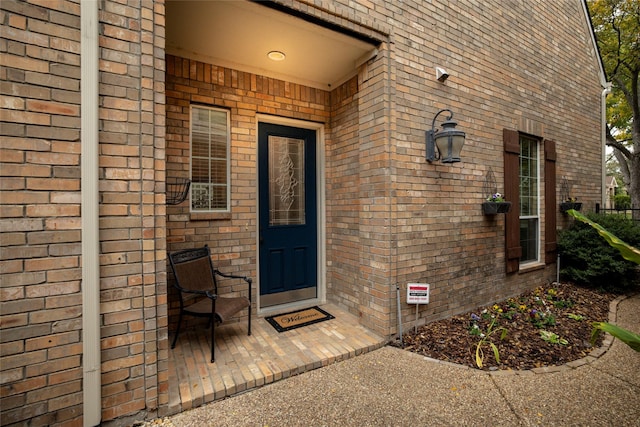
[418, 293]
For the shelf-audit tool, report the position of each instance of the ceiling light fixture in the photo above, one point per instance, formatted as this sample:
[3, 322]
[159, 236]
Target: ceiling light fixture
[276, 55]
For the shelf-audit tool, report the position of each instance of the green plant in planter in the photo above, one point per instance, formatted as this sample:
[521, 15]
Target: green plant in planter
[570, 203]
[496, 198]
[495, 204]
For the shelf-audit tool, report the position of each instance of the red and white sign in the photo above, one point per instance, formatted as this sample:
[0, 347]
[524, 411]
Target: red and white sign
[417, 293]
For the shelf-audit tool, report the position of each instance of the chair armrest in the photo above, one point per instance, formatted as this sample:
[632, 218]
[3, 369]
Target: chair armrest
[248, 280]
[233, 276]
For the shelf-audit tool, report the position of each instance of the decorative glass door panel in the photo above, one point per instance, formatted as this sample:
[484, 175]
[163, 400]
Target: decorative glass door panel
[286, 181]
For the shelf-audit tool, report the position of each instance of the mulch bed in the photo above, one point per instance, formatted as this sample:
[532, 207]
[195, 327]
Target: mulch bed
[562, 309]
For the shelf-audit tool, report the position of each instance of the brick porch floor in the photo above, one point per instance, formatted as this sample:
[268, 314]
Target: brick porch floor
[245, 362]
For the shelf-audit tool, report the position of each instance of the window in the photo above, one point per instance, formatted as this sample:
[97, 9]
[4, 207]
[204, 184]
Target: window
[210, 189]
[522, 183]
[529, 199]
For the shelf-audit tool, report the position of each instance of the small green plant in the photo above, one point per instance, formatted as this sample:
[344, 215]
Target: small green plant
[540, 319]
[563, 303]
[474, 329]
[485, 338]
[510, 314]
[552, 296]
[577, 317]
[552, 338]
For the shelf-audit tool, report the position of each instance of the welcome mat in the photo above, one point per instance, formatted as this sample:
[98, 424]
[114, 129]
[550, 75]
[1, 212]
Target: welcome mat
[298, 319]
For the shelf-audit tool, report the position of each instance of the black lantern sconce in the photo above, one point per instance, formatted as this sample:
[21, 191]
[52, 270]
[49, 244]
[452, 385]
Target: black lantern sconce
[449, 141]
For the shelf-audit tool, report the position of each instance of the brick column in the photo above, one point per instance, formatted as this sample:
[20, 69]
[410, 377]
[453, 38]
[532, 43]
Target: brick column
[375, 194]
[132, 211]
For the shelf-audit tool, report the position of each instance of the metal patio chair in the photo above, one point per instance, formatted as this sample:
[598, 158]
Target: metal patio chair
[196, 278]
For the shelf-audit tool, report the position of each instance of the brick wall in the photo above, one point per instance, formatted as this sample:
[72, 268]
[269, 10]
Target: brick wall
[343, 201]
[132, 211]
[41, 345]
[376, 170]
[40, 208]
[545, 83]
[359, 240]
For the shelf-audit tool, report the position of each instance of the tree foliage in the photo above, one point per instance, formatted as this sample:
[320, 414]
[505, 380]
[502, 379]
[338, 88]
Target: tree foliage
[617, 27]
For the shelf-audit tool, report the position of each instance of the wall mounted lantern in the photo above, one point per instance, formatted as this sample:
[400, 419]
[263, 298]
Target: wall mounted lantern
[448, 140]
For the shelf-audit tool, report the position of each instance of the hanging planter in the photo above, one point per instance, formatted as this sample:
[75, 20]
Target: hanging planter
[566, 206]
[495, 203]
[177, 190]
[493, 208]
[569, 202]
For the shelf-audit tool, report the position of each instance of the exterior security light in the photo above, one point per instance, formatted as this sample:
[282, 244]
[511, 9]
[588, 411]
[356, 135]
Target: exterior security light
[441, 74]
[448, 140]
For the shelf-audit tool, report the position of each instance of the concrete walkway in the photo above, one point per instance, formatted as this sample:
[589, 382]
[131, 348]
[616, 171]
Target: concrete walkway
[392, 387]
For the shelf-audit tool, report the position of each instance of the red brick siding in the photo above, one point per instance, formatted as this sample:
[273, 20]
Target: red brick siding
[132, 210]
[436, 231]
[39, 205]
[440, 234]
[343, 206]
[40, 208]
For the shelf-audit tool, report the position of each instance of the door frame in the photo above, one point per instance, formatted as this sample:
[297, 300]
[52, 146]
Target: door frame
[321, 297]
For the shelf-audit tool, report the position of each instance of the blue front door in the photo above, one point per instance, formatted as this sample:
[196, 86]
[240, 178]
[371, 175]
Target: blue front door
[288, 214]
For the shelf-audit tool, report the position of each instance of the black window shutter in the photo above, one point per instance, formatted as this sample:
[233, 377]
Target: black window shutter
[513, 250]
[550, 245]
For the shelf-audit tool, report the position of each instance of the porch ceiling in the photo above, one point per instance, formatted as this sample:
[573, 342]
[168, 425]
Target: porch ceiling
[239, 34]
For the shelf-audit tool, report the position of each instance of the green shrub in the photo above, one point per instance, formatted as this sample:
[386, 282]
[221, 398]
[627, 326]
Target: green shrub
[622, 201]
[587, 259]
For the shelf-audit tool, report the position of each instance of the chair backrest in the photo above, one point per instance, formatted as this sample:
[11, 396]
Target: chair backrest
[193, 270]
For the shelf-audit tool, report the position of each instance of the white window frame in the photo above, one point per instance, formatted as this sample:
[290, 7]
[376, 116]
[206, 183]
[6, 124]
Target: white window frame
[194, 186]
[538, 200]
